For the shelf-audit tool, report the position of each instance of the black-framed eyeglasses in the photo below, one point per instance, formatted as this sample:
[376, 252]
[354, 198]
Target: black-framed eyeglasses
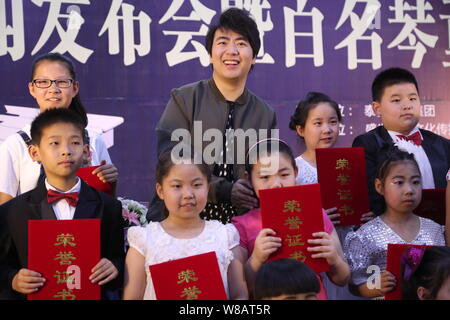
[46, 83]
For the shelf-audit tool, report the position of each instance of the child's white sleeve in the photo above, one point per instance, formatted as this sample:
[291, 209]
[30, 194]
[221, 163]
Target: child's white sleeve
[9, 162]
[98, 149]
[137, 239]
[233, 236]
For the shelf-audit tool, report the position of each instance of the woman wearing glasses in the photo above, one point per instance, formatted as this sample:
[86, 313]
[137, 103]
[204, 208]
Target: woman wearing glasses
[53, 84]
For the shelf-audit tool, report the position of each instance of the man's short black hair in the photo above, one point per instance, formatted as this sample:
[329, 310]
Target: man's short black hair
[390, 77]
[50, 117]
[238, 21]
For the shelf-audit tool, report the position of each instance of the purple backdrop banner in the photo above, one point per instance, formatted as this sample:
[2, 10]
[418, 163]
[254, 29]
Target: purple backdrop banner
[129, 54]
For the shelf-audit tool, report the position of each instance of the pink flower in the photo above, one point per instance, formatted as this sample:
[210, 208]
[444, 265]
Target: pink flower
[130, 216]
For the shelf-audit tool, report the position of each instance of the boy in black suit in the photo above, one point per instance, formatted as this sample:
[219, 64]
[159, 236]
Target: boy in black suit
[57, 142]
[395, 95]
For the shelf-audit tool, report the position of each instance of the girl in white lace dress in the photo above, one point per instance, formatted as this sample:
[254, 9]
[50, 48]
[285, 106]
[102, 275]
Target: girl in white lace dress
[184, 189]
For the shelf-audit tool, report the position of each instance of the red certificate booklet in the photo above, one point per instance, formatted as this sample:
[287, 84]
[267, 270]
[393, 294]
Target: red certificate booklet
[394, 266]
[294, 213]
[85, 173]
[432, 205]
[342, 176]
[192, 278]
[64, 253]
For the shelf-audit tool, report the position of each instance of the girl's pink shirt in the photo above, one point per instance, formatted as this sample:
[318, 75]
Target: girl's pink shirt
[250, 224]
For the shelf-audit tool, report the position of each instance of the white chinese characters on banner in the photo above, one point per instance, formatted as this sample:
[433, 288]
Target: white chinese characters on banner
[360, 27]
[368, 111]
[316, 35]
[256, 9]
[199, 13]
[442, 129]
[428, 110]
[129, 46]
[342, 129]
[371, 126]
[342, 110]
[446, 64]
[16, 30]
[65, 20]
[416, 39]
[68, 35]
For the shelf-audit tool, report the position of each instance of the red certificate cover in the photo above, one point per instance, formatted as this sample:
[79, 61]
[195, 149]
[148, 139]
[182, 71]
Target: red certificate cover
[64, 253]
[192, 278]
[294, 213]
[342, 176]
[432, 205]
[394, 266]
[92, 180]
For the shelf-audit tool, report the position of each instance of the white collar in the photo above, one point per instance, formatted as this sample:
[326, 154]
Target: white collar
[75, 188]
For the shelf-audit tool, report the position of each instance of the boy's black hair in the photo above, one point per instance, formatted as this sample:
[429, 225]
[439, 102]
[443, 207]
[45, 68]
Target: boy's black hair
[390, 77]
[238, 21]
[311, 100]
[388, 155]
[52, 116]
[265, 148]
[76, 104]
[284, 276]
[432, 272]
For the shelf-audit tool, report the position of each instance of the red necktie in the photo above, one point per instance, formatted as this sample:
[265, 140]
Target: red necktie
[71, 197]
[414, 138]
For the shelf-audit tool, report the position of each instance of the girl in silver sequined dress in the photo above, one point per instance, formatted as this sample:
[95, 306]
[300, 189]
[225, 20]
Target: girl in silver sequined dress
[399, 182]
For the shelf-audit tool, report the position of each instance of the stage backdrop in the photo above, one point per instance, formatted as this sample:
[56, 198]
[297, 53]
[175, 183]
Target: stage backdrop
[129, 54]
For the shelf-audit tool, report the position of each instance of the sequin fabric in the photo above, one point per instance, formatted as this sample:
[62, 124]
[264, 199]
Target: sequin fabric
[368, 245]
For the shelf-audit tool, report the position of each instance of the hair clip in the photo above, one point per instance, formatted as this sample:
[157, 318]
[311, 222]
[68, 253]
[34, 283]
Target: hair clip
[411, 258]
[263, 140]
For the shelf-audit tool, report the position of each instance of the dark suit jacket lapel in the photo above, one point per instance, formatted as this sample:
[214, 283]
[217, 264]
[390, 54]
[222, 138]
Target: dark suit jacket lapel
[40, 208]
[427, 146]
[382, 136]
[89, 205]
[436, 154]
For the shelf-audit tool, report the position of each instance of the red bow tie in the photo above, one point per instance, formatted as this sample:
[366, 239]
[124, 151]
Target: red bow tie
[414, 138]
[71, 197]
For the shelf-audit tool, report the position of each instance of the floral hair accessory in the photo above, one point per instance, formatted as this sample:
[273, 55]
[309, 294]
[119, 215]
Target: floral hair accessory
[412, 256]
[406, 146]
